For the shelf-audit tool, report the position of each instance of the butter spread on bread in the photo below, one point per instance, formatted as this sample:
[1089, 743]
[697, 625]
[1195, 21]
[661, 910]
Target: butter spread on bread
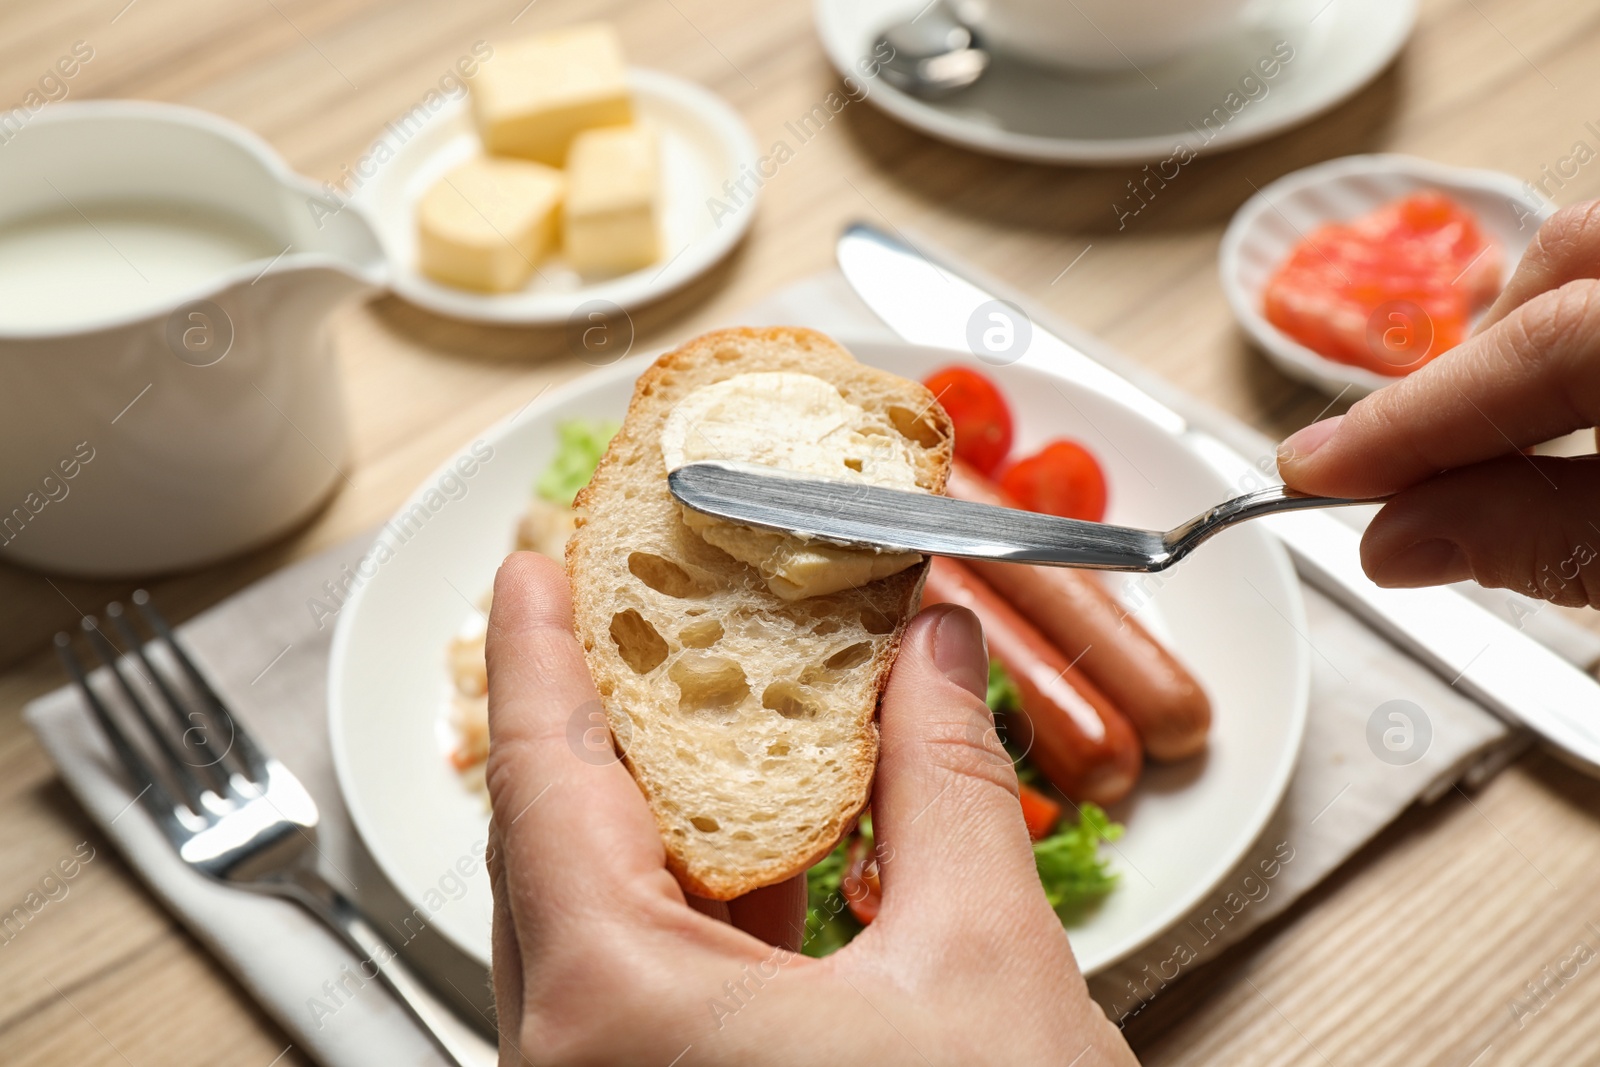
[795, 422]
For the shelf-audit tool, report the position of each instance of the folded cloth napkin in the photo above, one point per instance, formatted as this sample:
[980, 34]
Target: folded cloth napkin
[267, 656]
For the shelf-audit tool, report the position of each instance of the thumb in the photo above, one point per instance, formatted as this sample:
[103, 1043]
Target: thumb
[953, 849]
[1528, 523]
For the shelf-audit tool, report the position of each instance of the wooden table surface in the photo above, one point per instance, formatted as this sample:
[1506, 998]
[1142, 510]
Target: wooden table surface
[1414, 953]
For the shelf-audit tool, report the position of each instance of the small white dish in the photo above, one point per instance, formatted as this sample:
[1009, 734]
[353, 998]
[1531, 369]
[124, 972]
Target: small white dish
[1223, 612]
[1049, 115]
[704, 144]
[1268, 226]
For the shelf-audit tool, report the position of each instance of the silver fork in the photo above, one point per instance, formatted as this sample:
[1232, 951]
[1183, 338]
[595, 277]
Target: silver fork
[238, 816]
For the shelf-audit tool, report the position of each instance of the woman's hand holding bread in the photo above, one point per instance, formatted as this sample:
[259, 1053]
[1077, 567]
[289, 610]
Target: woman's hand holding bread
[602, 958]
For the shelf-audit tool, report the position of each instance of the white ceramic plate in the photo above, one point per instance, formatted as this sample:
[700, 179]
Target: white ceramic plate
[1026, 112]
[704, 144]
[1268, 226]
[1223, 611]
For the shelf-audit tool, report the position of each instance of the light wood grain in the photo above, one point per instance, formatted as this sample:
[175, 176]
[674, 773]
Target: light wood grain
[1412, 954]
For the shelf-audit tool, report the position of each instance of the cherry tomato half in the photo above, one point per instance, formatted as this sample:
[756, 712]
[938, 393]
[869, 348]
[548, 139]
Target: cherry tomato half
[860, 885]
[1038, 811]
[982, 418]
[1062, 478]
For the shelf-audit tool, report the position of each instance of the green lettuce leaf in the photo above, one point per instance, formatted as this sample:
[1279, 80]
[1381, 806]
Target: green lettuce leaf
[1003, 697]
[579, 445]
[1074, 873]
[829, 922]
[1005, 700]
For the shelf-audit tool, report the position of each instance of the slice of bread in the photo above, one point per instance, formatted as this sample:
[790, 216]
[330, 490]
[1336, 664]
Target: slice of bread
[747, 720]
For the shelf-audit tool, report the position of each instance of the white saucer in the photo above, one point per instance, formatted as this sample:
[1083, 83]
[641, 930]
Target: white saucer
[704, 144]
[1278, 217]
[1051, 116]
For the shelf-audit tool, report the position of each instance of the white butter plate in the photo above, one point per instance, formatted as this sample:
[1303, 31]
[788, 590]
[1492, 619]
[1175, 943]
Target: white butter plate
[1223, 612]
[704, 144]
[1022, 111]
[1268, 226]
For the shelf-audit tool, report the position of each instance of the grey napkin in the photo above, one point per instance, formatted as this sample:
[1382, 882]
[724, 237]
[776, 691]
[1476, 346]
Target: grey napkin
[267, 656]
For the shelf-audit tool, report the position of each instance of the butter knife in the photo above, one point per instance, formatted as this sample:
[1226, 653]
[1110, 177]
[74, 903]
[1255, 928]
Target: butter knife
[855, 514]
[1499, 666]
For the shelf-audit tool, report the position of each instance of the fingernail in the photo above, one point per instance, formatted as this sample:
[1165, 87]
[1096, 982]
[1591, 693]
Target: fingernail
[1434, 562]
[1303, 442]
[958, 651]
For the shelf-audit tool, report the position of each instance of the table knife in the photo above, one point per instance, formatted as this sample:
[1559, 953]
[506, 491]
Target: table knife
[856, 514]
[1508, 672]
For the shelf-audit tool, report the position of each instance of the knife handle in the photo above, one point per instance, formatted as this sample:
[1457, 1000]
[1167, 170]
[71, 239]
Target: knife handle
[1478, 653]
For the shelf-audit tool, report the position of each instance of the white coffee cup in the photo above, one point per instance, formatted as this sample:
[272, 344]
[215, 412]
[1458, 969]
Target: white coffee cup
[1101, 35]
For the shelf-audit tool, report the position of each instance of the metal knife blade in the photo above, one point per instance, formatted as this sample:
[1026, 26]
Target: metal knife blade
[895, 520]
[930, 304]
[1496, 664]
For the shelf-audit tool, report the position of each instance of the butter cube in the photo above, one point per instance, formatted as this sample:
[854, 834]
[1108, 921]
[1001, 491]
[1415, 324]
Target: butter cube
[612, 215]
[539, 92]
[487, 223]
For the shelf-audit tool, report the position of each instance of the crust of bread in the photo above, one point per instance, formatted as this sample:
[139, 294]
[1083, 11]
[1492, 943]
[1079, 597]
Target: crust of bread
[748, 786]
